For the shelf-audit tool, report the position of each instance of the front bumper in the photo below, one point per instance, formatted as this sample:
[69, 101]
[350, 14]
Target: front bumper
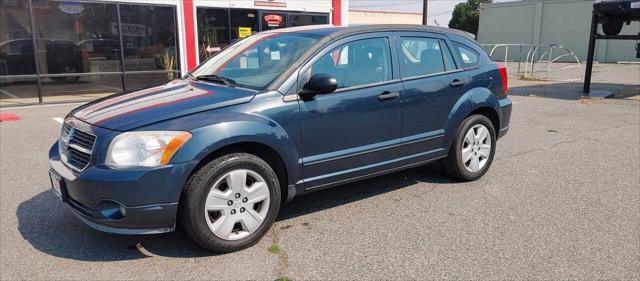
[126, 201]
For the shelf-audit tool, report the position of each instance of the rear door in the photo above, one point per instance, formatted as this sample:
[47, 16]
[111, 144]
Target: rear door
[357, 129]
[432, 85]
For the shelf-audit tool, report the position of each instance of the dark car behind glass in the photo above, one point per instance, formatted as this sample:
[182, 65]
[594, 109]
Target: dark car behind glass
[17, 56]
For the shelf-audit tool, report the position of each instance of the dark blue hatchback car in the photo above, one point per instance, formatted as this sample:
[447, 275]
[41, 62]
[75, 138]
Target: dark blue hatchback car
[276, 115]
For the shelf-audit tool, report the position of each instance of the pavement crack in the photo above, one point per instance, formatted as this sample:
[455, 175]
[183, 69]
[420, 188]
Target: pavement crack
[540, 149]
[582, 137]
[283, 258]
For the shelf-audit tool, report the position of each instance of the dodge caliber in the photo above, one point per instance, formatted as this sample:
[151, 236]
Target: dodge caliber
[276, 115]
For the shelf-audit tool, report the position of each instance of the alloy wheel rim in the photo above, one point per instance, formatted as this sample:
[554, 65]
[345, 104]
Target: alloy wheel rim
[237, 204]
[476, 148]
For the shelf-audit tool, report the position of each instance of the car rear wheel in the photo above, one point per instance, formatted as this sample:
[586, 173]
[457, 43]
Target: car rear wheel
[230, 203]
[472, 151]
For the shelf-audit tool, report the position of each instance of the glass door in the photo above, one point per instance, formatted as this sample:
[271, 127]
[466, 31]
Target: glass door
[213, 31]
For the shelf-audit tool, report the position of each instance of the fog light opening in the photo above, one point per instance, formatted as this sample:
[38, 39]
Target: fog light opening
[112, 210]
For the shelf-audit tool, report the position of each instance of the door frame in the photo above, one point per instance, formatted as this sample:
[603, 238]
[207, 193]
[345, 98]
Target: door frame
[304, 71]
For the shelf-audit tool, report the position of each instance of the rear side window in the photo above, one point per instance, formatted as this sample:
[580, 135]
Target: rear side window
[357, 63]
[423, 56]
[469, 56]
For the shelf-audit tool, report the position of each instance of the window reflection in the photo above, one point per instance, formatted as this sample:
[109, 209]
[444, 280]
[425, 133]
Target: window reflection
[75, 37]
[16, 44]
[213, 31]
[148, 38]
[18, 91]
[307, 19]
[357, 63]
[243, 23]
[81, 88]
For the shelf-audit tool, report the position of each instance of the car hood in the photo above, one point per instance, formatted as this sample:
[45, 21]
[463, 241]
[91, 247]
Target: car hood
[177, 98]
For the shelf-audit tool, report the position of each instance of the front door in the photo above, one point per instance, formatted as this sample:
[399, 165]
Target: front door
[357, 129]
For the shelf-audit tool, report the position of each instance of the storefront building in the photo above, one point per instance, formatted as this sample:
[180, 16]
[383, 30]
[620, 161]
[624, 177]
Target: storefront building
[60, 51]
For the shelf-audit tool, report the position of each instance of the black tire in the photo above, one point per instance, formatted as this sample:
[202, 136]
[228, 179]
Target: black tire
[191, 209]
[453, 164]
[613, 25]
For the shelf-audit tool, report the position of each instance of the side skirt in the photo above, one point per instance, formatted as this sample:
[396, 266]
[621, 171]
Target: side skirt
[371, 175]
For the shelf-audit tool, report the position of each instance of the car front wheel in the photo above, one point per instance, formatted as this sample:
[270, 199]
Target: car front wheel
[230, 203]
[472, 151]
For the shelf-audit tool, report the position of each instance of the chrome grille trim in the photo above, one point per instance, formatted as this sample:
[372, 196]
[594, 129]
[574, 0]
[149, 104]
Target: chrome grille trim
[75, 147]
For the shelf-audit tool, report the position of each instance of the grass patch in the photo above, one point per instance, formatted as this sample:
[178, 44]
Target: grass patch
[528, 78]
[283, 278]
[274, 249]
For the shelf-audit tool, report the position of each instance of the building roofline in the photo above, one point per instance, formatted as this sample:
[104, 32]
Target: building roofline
[384, 12]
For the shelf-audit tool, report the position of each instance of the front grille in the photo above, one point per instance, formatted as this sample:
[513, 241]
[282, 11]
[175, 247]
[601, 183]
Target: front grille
[75, 147]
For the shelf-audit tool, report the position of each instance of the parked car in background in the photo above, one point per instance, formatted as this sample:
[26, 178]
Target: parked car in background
[99, 47]
[17, 57]
[276, 115]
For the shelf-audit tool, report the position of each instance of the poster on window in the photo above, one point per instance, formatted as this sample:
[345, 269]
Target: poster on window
[244, 32]
[129, 29]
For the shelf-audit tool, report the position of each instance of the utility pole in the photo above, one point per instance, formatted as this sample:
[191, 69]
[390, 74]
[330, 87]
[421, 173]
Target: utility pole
[425, 4]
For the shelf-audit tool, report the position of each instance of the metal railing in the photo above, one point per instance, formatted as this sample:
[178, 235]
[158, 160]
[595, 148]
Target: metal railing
[547, 57]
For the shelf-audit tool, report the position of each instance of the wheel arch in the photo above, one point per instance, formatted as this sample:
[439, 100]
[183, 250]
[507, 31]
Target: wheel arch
[251, 134]
[261, 150]
[491, 114]
[475, 101]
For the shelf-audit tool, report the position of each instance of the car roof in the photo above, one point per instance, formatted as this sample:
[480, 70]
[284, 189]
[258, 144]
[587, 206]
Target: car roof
[339, 31]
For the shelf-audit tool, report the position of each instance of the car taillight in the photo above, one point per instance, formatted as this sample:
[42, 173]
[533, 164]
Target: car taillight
[503, 75]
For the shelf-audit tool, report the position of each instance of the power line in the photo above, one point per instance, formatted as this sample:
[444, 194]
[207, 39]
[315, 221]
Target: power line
[370, 4]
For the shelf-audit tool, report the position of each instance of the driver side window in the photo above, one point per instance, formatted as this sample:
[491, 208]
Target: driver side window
[357, 63]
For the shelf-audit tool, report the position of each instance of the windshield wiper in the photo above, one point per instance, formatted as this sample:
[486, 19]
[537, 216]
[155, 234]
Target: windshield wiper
[217, 78]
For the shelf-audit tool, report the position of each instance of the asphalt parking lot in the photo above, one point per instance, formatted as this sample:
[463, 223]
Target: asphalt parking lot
[561, 201]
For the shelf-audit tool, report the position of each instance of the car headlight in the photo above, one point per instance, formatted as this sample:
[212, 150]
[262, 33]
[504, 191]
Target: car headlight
[145, 149]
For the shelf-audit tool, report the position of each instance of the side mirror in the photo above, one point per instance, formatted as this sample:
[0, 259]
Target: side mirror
[319, 84]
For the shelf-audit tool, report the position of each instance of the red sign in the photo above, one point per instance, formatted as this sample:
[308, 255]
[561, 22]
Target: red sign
[273, 20]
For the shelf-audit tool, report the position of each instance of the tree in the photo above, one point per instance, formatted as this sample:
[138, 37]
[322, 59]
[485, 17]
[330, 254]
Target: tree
[466, 16]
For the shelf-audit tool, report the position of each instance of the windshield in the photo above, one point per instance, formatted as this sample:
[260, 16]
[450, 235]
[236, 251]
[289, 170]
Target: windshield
[257, 60]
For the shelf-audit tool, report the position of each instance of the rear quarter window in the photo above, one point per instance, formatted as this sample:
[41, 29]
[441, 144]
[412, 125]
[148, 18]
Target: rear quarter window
[468, 56]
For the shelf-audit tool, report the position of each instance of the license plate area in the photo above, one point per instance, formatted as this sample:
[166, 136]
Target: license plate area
[57, 185]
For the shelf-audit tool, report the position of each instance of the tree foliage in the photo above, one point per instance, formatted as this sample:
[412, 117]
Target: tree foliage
[466, 16]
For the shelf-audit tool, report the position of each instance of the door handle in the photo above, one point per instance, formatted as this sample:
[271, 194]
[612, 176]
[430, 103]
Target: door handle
[457, 83]
[386, 95]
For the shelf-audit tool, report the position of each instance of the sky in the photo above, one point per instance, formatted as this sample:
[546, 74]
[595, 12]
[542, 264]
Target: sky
[439, 10]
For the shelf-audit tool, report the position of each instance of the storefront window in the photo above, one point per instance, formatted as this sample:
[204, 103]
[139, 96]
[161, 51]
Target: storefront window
[18, 91]
[81, 88]
[75, 37]
[149, 38]
[307, 19]
[16, 44]
[243, 23]
[141, 81]
[213, 31]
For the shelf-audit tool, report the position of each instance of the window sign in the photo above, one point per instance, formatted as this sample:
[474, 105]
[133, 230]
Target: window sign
[244, 32]
[273, 20]
[275, 55]
[129, 29]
